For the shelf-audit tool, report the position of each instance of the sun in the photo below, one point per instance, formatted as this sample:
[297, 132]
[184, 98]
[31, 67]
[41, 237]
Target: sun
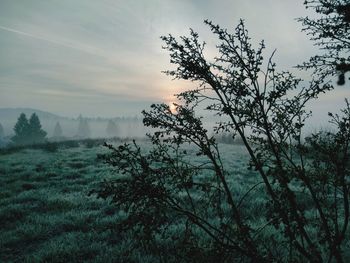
[172, 107]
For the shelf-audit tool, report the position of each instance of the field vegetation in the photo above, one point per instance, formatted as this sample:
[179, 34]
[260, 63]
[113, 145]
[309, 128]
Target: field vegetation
[184, 196]
[47, 214]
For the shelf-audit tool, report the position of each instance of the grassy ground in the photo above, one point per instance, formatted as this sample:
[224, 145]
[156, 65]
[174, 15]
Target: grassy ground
[47, 215]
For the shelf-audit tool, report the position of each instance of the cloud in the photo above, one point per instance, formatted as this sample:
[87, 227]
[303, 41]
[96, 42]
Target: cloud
[87, 52]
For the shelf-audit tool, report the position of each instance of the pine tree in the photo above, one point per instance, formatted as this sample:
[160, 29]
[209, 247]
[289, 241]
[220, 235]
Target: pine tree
[2, 133]
[36, 133]
[83, 128]
[21, 130]
[57, 132]
[112, 128]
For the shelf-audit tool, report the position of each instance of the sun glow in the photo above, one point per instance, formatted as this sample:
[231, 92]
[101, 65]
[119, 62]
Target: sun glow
[172, 107]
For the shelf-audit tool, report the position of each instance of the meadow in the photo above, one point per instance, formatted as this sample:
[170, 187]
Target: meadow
[47, 214]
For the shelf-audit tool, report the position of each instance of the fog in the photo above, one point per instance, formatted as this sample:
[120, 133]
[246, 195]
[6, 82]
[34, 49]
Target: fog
[125, 126]
[104, 58]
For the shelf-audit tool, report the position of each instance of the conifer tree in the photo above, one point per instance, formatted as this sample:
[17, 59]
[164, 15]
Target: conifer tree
[21, 130]
[57, 132]
[36, 133]
[112, 128]
[83, 128]
[28, 132]
[2, 133]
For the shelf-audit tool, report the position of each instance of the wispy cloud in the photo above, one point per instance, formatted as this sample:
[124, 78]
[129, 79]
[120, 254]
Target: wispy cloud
[109, 51]
[86, 49]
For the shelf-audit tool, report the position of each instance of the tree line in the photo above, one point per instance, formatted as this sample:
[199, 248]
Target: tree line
[30, 131]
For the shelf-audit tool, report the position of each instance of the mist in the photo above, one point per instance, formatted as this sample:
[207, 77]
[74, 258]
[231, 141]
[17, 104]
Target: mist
[105, 58]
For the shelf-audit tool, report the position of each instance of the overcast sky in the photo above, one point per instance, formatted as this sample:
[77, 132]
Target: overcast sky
[104, 57]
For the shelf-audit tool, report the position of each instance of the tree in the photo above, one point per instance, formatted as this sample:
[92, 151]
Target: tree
[28, 132]
[330, 31]
[57, 132]
[35, 133]
[2, 133]
[21, 130]
[305, 213]
[112, 129]
[83, 128]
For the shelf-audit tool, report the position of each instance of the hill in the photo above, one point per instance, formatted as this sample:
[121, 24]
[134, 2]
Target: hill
[13, 113]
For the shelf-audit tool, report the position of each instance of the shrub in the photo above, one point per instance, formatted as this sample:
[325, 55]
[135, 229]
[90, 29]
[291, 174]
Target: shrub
[161, 189]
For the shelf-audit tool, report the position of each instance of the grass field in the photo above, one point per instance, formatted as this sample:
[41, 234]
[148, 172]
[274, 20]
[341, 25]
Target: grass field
[47, 215]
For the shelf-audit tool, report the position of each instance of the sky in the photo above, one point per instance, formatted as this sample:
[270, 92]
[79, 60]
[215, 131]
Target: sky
[104, 57]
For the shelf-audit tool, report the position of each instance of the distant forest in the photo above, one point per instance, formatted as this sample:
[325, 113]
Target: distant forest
[72, 127]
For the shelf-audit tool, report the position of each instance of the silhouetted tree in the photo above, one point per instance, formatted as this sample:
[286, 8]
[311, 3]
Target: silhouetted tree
[112, 129]
[2, 132]
[35, 133]
[330, 31]
[28, 132]
[21, 130]
[305, 213]
[83, 128]
[57, 132]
